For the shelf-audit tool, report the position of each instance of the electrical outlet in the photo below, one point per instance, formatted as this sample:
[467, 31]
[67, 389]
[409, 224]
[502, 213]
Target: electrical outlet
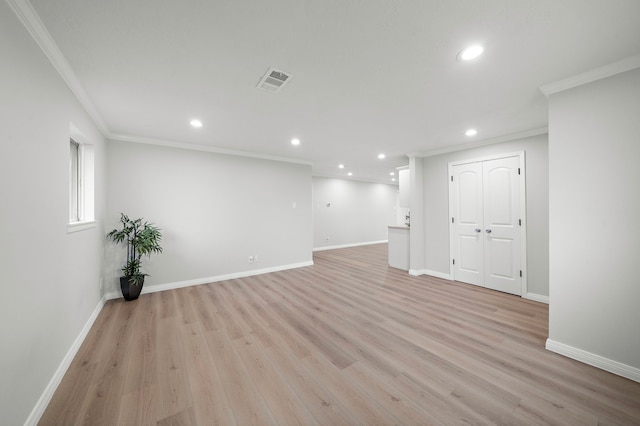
[326, 238]
[252, 259]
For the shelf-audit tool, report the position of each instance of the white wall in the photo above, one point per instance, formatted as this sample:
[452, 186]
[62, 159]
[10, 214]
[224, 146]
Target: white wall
[214, 210]
[404, 195]
[360, 212]
[50, 279]
[436, 207]
[594, 208]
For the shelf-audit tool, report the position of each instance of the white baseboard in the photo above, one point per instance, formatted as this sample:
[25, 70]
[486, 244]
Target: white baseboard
[349, 245]
[598, 361]
[48, 392]
[537, 297]
[445, 276]
[417, 272]
[199, 281]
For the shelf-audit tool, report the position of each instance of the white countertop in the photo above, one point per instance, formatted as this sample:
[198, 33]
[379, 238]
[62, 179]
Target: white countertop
[399, 227]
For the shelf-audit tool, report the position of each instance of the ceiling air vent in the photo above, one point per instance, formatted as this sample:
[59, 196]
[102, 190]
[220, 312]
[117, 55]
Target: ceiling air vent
[274, 80]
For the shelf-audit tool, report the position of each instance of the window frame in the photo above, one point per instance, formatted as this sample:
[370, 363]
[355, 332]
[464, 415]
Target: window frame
[75, 182]
[81, 183]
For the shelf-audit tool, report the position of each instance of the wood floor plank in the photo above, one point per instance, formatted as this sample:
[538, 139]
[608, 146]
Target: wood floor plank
[538, 410]
[275, 391]
[210, 402]
[446, 410]
[405, 409]
[167, 308]
[348, 340]
[89, 351]
[71, 394]
[185, 417]
[203, 310]
[108, 386]
[184, 307]
[248, 406]
[138, 407]
[279, 325]
[318, 341]
[173, 394]
[141, 359]
[230, 319]
[258, 327]
[333, 321]
[311, 389]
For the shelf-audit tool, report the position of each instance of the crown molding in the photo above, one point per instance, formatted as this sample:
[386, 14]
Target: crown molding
[203, 148]
[624, 65]
[34, 25]
[31, 21]
[352, 179]
[484, 142]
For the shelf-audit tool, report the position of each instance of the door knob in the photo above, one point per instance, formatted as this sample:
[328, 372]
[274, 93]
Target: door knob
[478, 230]
[488, 231]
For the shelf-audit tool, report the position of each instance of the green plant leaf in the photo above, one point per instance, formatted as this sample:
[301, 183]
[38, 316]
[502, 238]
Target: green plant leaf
[142, 239]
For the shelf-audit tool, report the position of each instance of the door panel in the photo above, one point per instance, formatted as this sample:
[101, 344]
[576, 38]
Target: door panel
[470, 196]
[501, 258]
[501, 215]
[497, 184]
[467, 191]
[468, 259]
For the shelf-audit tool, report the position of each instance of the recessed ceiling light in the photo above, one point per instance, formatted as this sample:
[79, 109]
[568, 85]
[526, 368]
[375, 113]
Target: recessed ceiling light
[349, 174]
[471, 132]
[381, 156]
[470, 53]
[392, 173]
[196, 123]
[341, 166]
[295, 141]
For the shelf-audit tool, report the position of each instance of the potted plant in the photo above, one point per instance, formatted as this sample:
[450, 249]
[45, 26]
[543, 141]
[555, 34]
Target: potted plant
[141, 239]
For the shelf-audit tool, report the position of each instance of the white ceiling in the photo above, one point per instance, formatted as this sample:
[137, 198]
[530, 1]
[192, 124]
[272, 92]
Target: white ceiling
[370, 76]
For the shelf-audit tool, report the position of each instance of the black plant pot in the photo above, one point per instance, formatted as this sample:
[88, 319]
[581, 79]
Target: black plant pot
[130, 291]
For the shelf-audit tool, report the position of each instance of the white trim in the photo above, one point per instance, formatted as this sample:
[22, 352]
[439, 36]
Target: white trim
[31, 21]
[349, 245]
[80, 226]
[491, 141]
[524, 288]
[623, 65]
[452, 253]
[537, 297]
[610, 365]
[199, 281]
[204, 148]
[485, 158]
[437, 274]
[352, 178]
[45, 398]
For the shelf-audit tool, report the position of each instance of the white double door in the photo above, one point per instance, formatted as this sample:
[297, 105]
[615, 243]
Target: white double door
[486, 223]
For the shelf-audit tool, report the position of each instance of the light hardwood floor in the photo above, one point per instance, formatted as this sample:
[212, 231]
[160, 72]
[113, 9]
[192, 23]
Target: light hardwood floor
[346, 341]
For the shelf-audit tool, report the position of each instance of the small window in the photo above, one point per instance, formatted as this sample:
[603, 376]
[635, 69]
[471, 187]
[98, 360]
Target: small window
[81, 183]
